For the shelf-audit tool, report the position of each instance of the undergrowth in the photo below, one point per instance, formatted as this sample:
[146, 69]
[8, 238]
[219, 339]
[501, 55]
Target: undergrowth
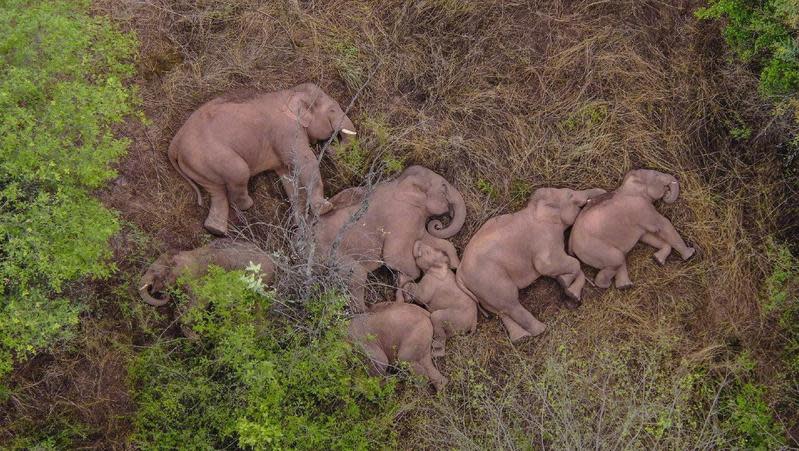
[62, 88]
[256, 381]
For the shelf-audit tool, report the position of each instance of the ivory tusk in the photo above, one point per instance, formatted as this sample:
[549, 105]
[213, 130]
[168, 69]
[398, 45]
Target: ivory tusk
[348, 132]
[144, 286]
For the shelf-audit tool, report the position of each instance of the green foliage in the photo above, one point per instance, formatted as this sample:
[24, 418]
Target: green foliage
[61, 90]
[751, 419]
[253, 381]
[487, 188]
[762, 32]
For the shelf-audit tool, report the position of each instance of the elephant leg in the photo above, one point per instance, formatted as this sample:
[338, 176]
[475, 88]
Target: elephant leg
[566, 269]
[441, 331]
[525, 319]
[290, 187]
[515, 331]
[669, 234]
[356, 276]
[604, 277]
[238, 173]
[425, 367]
[216, 222]
[378, 360]
[664, 249]
[623, 277]
[399, 294]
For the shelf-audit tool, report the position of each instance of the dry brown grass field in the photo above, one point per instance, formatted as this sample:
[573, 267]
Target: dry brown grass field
[500, 97]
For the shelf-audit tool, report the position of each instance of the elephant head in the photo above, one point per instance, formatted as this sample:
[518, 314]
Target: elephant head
[320, 115]
[156, 279]
[421, 186]
[651, 184]
[562, 204]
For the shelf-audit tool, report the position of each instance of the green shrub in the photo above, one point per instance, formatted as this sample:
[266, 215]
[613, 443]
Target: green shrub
[254, 381]
[762, 32]
[61, 90]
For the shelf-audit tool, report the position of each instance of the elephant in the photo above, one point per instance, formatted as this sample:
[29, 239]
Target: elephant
[608, 228]
[451, 310]
[226, 253]
[511, 251]
[394, 332]
[226, 141]
[397, 215]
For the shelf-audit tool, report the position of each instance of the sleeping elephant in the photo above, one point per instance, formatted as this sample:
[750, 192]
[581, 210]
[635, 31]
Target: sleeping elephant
[609, 227]
[397, 215]
[225, 253]
[390, 333]
[225, 142]
[511, 251]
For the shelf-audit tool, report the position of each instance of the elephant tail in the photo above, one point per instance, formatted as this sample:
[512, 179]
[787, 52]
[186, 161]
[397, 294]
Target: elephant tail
[174, 160]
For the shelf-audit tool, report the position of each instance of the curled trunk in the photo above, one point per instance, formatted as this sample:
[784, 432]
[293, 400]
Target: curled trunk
[672, 189]
[457, 211]
[144, 292]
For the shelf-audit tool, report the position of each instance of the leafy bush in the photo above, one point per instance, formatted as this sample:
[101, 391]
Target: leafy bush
[61, 90]
[762, 32]
[257, 382]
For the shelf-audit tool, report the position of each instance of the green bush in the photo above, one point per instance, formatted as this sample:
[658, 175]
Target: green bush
[62, 76]
[254, 381]
[762, 32]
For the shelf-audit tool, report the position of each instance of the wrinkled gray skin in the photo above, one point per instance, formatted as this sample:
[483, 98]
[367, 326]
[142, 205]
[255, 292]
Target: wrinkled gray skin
[226, 253]
[397, 215]
[225, 142]
[511, 251]
[607, 229]
[452, 311]
[393, 332]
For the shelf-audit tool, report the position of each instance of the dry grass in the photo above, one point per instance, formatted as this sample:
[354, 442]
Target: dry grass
[502, 97]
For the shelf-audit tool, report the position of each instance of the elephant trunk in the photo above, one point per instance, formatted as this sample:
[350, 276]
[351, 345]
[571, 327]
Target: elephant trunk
[457, 213]
[672, 189]
[144, 292]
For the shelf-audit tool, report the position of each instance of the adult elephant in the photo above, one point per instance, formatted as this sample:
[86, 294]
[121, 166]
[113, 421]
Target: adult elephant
[227, 140]
[609, 228]
[398, 213]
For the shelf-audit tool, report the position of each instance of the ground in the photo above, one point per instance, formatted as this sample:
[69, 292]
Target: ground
[500, 97]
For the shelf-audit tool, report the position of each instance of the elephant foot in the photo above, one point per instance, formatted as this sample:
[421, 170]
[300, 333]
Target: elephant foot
[565, 280]
[688, 253]
[660, 260]
[244, 204]
[570, 293]
[571, 304]
[437, 349]
[539, 329]
[324, 207]
[625, 285]
[215, 227]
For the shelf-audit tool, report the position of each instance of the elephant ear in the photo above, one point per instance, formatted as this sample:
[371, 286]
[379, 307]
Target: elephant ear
[299, 108]
[413, 191]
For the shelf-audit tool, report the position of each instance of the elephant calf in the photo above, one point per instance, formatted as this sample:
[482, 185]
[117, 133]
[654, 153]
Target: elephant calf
[393, 332]
[607, 230]
[452, 311]
[227, 141]
[225, 253]
[511, 251]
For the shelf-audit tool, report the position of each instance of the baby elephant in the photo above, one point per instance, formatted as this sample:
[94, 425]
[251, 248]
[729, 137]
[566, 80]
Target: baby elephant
[452, 311]
[225, 253]
[393, 332]
[610, 226]
[511, 251]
